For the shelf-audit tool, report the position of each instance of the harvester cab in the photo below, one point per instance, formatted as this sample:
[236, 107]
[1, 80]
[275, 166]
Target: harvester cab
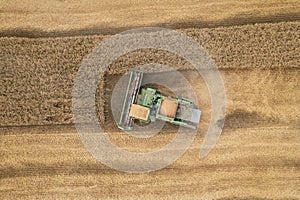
[145, 105]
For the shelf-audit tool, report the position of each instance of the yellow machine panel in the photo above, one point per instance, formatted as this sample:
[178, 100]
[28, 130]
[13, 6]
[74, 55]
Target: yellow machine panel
[139, 112]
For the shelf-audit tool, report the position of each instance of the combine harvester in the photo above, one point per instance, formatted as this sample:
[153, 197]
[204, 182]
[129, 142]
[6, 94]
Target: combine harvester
[145, 105]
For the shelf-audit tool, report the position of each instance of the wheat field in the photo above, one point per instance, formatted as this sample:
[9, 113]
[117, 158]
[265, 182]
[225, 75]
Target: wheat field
[256, 48]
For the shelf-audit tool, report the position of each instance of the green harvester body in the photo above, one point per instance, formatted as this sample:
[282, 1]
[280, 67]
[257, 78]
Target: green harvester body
[146, 105]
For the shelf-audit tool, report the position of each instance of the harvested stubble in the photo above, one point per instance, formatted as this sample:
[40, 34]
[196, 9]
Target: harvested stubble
[247, 163]
[66, 18]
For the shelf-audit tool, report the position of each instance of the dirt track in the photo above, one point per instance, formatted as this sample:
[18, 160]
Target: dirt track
[257, 155]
